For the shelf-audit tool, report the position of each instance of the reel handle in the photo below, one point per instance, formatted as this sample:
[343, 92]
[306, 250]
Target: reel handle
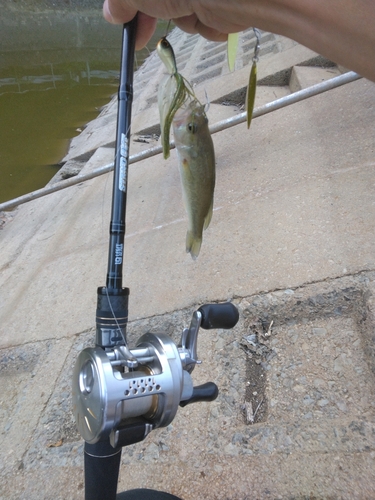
[205, 392]
[223, 315]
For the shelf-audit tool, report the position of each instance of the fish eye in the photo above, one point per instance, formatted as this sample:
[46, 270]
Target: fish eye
[164, 42]
[192, 127]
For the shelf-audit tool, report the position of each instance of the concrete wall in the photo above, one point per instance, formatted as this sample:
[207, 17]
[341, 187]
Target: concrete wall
[41, 28]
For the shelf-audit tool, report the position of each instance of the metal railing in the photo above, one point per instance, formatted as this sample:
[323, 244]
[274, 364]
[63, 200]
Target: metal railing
[216, 127]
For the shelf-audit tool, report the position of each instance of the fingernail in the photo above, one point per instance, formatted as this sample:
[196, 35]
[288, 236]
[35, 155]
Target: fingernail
[107, 13]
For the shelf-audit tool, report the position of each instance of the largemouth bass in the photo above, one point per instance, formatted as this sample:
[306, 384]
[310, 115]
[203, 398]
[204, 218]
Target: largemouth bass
[197, 168]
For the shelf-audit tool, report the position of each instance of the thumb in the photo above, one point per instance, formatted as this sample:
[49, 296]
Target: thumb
[117, 12]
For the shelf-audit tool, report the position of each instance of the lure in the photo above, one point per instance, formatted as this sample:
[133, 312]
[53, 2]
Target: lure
[173, 92]
[252, 85]
[232, 49]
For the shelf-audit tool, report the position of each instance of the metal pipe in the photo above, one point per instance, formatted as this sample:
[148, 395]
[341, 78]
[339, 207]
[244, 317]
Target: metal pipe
[7, 205]
[314, 90]
[301, 95]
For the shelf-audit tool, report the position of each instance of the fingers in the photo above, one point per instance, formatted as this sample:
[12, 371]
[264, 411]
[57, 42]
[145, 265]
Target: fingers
[116, 13]
[191, 24]
[145, 29]
[120, 11]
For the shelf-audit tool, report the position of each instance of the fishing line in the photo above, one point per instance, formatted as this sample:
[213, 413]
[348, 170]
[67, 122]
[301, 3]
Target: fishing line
[114, 316]
[148, 50]
[103, 199]
[136, 62]
[168, 25]
[106, 289]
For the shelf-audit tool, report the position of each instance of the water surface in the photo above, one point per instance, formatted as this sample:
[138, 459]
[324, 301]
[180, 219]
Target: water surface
[59, 64]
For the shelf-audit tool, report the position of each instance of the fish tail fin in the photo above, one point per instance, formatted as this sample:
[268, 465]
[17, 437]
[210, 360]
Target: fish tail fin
[208, 217]
[193, 244]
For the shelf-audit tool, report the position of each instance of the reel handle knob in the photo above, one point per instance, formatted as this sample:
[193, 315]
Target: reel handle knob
[205, 392]
[223, 315]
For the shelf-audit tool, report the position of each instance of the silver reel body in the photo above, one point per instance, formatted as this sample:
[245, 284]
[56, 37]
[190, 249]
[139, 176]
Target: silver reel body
[123, 394]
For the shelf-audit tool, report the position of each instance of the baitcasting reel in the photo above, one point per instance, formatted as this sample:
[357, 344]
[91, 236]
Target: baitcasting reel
[122, 394]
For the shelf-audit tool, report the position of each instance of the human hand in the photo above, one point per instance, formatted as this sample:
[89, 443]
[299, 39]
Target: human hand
[341, 30]
[214, 20]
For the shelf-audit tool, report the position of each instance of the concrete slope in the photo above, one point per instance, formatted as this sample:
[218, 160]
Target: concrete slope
[291, 243]
[293, 204]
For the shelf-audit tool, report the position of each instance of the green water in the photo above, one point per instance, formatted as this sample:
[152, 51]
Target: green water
[35, 131]
[57, 69]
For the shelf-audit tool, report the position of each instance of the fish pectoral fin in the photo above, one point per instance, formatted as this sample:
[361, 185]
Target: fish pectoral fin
[208, 217]
[193, 244]
[188, 174]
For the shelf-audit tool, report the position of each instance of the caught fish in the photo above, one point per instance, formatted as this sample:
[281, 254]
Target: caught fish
[174, 90]
[179, 107]
[197, 168]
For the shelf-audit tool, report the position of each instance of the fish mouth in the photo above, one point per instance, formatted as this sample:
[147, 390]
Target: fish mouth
[181, 115]
[190, 109]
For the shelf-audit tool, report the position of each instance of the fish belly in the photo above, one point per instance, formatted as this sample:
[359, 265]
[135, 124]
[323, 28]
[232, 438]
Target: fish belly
[198, 182]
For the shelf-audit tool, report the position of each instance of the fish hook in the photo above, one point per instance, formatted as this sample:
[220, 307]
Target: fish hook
[257, 45]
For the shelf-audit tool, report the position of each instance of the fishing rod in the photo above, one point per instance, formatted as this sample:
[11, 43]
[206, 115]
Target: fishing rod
[120, 394]
[101, 460]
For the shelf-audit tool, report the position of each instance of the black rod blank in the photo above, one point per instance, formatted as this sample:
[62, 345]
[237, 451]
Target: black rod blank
[102, 461]
[120, 176]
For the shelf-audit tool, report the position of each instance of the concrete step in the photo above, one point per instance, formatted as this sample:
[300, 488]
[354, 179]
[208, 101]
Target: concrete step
[204, 65]
[305, 76]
